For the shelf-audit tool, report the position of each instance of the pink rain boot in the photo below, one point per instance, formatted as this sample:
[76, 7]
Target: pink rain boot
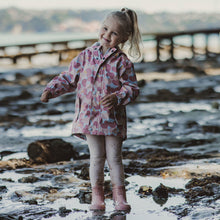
[97, 199]
[119, 197]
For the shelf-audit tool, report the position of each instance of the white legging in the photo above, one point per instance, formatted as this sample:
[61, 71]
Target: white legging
[102, 148]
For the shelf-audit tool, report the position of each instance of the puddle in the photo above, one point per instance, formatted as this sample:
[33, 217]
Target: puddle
[141, 207]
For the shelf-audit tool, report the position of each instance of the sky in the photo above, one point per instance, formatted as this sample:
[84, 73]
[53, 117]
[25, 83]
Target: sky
[150, 6]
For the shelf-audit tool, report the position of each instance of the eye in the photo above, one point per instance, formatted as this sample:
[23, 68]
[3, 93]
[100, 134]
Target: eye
[115, 33]
[105, 28]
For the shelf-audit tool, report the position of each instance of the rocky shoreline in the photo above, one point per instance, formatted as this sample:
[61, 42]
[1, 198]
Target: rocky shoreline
[70, 180]
[171, 156]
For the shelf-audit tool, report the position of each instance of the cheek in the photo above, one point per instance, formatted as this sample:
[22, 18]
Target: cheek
[100, 33]
[115, 39]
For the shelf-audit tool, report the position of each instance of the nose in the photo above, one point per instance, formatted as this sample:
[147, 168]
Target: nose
[107, 35]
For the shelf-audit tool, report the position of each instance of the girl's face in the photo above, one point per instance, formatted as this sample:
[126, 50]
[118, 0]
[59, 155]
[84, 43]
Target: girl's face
[110, 34]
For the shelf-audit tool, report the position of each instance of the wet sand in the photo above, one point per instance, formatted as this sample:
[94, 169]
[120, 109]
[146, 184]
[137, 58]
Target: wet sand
[171, 156]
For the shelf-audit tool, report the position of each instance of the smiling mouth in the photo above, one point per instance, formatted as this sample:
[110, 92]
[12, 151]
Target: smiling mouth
[106, 40]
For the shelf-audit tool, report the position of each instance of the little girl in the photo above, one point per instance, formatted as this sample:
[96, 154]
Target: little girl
[105, 82]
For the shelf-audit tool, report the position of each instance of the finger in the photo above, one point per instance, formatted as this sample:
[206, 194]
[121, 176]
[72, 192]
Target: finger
[44, 100]
[104, 102]
[108, 107]
[104, 99]
[107, 103]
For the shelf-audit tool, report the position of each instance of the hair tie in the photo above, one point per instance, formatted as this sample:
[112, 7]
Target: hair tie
[125, 10]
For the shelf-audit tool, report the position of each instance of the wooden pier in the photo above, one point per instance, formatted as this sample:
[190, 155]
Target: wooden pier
[29, 50]
[64, 47]
[160, 37]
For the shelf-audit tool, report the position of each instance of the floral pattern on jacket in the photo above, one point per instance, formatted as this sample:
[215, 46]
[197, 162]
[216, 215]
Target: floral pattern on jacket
[93, 75]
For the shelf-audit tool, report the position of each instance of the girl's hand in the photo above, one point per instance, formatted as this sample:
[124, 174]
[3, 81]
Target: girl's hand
[46, 95]
[109, 101]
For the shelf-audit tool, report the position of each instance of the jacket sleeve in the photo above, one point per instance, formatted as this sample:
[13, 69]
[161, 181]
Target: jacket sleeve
[67, 80]
[129, 87]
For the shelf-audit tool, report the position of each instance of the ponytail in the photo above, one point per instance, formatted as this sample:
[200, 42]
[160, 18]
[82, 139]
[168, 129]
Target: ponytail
[129, 24]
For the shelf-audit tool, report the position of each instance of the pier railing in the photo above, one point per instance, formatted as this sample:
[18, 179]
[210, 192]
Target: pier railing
[64, 46]
[160, 37]
[28, 50]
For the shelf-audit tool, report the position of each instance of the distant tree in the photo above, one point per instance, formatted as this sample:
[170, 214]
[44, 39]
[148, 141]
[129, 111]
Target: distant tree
[47, 20]
[37, 24]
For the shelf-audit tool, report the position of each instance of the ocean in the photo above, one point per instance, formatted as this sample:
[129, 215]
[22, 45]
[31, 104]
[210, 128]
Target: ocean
[24, 38]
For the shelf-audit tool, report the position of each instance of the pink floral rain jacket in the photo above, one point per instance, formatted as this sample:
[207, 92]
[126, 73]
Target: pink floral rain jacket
[93, 75]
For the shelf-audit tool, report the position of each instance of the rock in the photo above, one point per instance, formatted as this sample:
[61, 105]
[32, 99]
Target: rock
[162, 95]
[64, 179]
[15, 163]
[51, 150]
[10, 120]
[31, 202]
[45, 189]
[180, 210]
[5, 82]
[28, 212]
[188, 91]
[29, 179]
[207, 92]
[17, 196]
[211, 128]
[63, 212]
[84, 174]
[85, 196]
[135, 167]
[53, 112]
[3, 189]
[198, 193]
[25, 95]
[200, 189]
[141, 83]
[215, 105]
[191, 124]
[45, 123]
[202, 182]
[160, 194]
[19, 76]
[8, 180]
[155, 157]
[145, 190]
[6, 153]
[195, 70]
[130, 155]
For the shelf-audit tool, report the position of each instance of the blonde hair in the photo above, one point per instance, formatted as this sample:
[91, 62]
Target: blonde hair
[128, 21]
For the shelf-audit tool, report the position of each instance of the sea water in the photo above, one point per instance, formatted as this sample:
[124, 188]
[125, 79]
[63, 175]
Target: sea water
[25, 38]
